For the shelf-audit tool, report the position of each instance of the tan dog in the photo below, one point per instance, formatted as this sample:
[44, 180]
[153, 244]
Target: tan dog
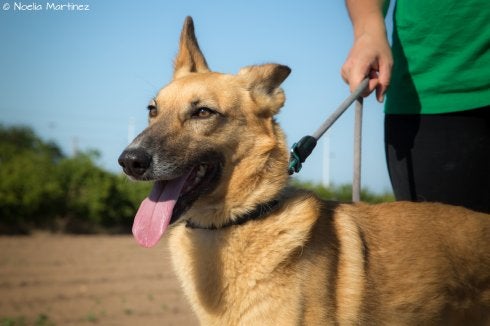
[249, 250]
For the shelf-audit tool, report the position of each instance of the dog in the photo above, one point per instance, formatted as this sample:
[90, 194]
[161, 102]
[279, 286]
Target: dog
[250, 250]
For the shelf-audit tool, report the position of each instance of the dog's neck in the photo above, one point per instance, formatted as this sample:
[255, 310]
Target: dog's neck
[259, 212]
[254, 183]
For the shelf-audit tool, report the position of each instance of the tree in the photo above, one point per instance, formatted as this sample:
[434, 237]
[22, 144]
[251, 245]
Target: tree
[29, 192]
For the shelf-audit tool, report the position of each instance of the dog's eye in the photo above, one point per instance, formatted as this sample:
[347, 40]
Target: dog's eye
[152, 110]
[202, 113]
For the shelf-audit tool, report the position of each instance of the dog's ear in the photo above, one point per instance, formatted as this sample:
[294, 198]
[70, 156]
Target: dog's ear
[190, 58]
[263, 83]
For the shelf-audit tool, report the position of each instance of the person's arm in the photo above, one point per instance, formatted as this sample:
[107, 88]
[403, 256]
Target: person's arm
[370, 54]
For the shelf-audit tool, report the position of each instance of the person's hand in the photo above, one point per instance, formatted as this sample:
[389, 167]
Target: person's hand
[370, 56]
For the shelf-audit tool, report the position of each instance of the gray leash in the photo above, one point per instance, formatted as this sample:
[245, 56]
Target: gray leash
[303, 148]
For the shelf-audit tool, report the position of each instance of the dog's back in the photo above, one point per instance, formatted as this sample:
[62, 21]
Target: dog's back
[423, 263]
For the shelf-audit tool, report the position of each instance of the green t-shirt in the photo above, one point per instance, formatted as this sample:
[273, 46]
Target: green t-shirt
[441, 51]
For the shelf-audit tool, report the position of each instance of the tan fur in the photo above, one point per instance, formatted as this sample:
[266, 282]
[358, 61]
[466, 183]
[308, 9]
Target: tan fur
[309, 262]
[351, 273]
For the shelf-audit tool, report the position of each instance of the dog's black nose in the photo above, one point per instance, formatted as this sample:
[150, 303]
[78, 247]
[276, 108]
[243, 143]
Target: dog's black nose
[135, 162]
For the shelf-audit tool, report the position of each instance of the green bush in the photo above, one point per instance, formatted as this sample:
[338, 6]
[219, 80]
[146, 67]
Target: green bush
[40, 188]
[343, 193]
[29, 194]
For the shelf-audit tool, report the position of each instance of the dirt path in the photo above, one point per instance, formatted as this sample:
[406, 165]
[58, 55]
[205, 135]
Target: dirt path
[87, 280]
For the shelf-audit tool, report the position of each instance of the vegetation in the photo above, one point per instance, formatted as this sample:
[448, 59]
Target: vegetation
[343, 193]
[41, 188]
[41, 320]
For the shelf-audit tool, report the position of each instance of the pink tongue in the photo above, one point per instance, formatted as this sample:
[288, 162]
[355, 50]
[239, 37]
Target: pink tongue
[155, 211]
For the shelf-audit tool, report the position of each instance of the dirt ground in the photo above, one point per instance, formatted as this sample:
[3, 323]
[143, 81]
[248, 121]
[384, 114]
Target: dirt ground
[88, 280]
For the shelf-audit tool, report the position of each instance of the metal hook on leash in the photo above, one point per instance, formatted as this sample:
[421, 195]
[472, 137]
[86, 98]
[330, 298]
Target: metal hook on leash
[303, 148]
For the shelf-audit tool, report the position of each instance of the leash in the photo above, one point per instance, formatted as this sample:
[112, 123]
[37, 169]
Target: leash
[303, 148]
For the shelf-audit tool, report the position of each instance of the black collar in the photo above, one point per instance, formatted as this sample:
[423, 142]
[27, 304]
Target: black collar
[260, 211]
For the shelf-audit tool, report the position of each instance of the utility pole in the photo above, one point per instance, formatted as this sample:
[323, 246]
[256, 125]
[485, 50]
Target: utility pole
[74, 145]
[131, 124]
[326, 161]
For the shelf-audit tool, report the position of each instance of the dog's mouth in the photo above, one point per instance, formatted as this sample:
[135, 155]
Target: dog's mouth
[169, 199]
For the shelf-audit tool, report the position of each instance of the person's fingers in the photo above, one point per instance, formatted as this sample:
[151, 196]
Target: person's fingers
[357, 74]
[373, 83]
[344, 73]
[384, 78]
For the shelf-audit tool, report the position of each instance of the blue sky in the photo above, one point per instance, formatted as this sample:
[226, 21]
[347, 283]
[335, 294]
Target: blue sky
[80, 77]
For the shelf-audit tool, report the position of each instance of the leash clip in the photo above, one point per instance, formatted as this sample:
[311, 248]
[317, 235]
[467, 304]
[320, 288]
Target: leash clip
[302, 149]
[299, 152]
[294, 161]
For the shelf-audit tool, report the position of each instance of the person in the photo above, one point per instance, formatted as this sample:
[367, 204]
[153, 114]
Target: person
[436, 78]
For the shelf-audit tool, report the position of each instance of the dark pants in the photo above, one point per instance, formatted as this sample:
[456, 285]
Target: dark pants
[440, 158]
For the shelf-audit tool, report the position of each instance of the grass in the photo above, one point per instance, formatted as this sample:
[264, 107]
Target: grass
[92, 317]
[41, 320]
[12, 321]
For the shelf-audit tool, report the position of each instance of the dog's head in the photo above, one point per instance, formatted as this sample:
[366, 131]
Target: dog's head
[212, 145]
